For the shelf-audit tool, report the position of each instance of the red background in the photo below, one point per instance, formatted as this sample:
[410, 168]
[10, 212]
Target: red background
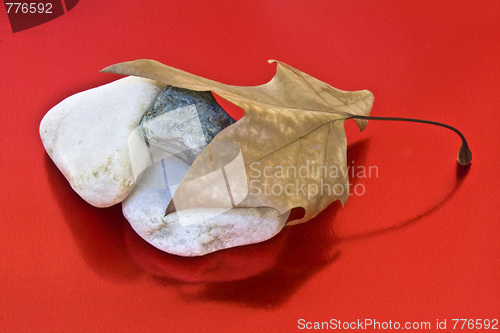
[421, 244]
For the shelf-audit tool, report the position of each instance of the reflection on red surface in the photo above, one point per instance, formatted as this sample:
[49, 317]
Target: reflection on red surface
[287, 260]
[247, 274]
[226, 265]
[96, 231]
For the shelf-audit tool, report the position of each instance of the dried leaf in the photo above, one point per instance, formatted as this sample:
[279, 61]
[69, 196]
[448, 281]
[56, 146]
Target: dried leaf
[291, 142]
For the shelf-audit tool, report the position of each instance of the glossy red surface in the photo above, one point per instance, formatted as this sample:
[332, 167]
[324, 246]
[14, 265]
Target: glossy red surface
[420, 244]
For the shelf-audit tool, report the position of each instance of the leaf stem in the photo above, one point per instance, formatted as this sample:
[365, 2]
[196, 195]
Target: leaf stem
[464, 154]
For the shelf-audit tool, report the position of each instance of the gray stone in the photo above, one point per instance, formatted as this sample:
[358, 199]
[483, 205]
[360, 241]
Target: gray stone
[182, 122]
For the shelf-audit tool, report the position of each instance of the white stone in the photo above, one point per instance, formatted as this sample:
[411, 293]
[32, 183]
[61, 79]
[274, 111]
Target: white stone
[206, 230]
[86, 135]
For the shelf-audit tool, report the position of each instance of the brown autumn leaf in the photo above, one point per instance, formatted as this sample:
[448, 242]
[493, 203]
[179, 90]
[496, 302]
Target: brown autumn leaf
[289, 147]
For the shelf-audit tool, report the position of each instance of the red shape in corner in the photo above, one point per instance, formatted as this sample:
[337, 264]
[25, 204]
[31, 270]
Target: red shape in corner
[70, 4]
[31, 14]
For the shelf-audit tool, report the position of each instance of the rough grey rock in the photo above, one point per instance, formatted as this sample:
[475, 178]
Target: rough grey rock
[182, 122]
